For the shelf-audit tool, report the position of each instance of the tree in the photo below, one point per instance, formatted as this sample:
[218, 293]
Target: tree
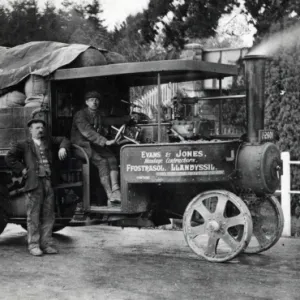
[51, 25]
[22, 23]
[83, 23]
[180, 20]
[264, 13]
[128, 41]
[4, 27]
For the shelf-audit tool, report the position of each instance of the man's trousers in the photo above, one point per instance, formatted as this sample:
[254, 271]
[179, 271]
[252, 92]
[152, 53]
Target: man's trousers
[40, 214]
[104, 160]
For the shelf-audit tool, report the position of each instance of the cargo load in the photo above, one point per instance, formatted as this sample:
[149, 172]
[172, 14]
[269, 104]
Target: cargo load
[25, 68]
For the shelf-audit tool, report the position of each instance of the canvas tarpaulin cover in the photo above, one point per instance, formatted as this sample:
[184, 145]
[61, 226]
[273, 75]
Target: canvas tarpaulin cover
[40, 58]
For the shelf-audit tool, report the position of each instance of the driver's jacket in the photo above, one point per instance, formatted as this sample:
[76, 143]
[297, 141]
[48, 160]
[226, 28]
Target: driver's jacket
[86, 129]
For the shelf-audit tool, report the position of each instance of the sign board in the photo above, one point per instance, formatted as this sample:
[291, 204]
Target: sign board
[266, 135]
[178, 162]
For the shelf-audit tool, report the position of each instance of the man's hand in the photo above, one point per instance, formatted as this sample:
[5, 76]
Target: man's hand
[24, 173]
[110, 142]
[62, 153]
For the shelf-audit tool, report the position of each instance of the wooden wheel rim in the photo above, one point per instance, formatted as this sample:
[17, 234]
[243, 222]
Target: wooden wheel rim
[216, 226]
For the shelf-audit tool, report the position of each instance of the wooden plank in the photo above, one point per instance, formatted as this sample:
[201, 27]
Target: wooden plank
[7, 136]
[105, 209]
[6, 120]
[28, 114]
[223, 97]
[68, 185]
[18, 117]
[86, 186]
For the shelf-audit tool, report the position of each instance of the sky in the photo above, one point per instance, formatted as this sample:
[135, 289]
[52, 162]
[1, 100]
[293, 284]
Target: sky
[114, 11]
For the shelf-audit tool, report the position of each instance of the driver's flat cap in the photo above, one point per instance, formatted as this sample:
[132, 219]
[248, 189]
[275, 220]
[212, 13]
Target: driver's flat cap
[92, 94]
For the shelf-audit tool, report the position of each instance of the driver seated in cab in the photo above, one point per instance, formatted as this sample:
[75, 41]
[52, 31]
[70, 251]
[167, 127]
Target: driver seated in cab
[87, 132]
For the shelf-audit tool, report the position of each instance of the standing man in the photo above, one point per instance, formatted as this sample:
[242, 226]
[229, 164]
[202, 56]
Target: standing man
[33, 159]
[87, 133]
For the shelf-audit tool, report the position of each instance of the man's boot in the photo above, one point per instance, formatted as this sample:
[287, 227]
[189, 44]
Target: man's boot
[115, 187]
[105, 181]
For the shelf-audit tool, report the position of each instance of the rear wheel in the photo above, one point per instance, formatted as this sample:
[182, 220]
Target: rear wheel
[267, 217]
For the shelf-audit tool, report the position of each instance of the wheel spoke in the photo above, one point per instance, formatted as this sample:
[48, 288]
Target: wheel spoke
[230, 241]
[202, 210]
[234, 221]
[196, 230]
[222, 201]
[212, 245]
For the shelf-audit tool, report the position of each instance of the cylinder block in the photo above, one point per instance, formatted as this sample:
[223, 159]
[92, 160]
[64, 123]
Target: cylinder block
[259, 168]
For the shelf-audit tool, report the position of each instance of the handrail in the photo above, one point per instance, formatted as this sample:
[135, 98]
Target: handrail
[223, 97]
[83, 152]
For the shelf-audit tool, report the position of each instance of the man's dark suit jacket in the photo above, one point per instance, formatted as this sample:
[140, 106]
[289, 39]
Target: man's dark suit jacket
[23, 155]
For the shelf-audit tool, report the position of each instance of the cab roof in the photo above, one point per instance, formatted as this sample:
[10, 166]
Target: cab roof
[145, 73]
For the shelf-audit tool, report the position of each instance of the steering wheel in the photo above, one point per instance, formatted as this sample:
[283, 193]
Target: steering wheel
[120, 134]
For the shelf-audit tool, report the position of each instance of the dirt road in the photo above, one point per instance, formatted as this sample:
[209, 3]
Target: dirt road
[100, 262]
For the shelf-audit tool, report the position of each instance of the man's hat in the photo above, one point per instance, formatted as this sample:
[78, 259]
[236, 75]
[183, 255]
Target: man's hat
[32, 121]
[92, 94]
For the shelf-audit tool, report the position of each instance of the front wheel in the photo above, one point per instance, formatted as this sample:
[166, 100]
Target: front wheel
[217, 225]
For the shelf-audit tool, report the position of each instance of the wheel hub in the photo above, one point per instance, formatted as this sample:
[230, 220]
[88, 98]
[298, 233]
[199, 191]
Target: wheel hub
[213, 226]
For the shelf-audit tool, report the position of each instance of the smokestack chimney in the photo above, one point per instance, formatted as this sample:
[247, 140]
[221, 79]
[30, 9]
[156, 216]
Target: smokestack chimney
[255, 87]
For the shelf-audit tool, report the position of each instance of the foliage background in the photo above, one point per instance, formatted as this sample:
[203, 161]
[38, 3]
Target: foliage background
[282, 98]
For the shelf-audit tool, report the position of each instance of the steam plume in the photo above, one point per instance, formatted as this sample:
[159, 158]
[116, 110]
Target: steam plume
[286, 38]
